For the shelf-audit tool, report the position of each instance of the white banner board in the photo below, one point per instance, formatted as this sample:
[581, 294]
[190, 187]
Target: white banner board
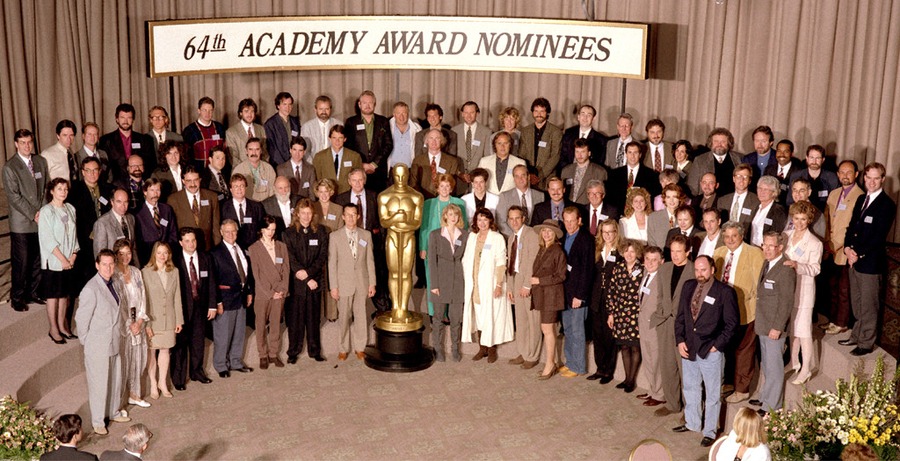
[183, 47]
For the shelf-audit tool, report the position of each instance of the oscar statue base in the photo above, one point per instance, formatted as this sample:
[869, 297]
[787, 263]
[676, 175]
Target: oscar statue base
[399, 351]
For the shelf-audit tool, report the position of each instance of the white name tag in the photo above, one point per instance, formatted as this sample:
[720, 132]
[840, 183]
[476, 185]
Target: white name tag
[361, 127]
[293, 132]
[509, 171]
[487, 246]
[823, 193]
[204, 274]
[745, 211]
[331, 217]
[164, 222]
[636, 273]
[279, 260]
[103, 200]
[263, 182]
[38, 175]
[458, 242]
[135, 145]
[770, 281]
[842, 207]
[768, 286]
[440, 170]
[568, 268]
[476, 142]
[314, 242]
[542, 143]
[216, 137]
[798, 251]
[669, 167]
[767, 221]
[645, 290]
[363, 243]
[204, 202]
[603, 217]
[867, 220]
[784, 187]
[570, 181]
[306, 184]
[221, 197]
[248, 220]
[611, 258]
[709, 300]
[348, 164]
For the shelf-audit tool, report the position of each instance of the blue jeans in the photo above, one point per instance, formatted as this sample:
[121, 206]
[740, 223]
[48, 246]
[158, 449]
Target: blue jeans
[574, 346]
[707, 372]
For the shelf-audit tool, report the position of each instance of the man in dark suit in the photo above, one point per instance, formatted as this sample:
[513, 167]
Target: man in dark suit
[135, 440]
[720, 160]
[873, 216]
[584, 130]
[598, 209]
[234, 296]
[785, 166]
[91, 199]
[659, 153]
[280, 128]
[554, 207]
[67, 429]
[25, 177]
[155, 221]
[708, 196]
[707, 318]
[123, 142]
[769, 215]
[90, 134]
[133, 182]
[370, 135]
[246, 212]
[198, 299]
[632, 175]
[281, 205]
[763, 155]
[300, 172]
[196, 207]
[774, 302]
[213, 177]
[684, 226]
[579, 247]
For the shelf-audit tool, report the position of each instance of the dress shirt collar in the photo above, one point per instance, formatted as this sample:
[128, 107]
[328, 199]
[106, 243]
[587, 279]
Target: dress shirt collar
[874, 195]
[773, 262]
[241, 202]
[295, 165]
[246, 126]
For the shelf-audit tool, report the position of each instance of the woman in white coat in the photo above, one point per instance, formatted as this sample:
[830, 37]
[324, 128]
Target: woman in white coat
[486, 310]
[480, 197]
[803, 252]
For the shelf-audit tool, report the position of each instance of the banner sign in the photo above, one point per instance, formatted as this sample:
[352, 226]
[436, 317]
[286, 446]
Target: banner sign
[605, 49]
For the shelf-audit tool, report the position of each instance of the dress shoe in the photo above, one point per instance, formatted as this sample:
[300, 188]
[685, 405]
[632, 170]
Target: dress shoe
[482, 353]
[121, 416]
[859, 351]
[737, 397]
[664, 411]
[595, 376]
[361, 355]
[180, 387]
[68, 335]
[681, 428]
[567, 373]
[101, 431]
[225, 374]
[629, 388]
[202, 379]
[755, 402]
[621, 385]
[804, 379]
[492, 354]
[39, 301]
[57, 341]
[139, 402]
[643, 396]
[651, 402]
[835, 330]
[516, 361]
[244, 369]
[847, 342]
[318, 358]
[544, 377]
[343, 356]
[825, 326]
[526, 365]
[165, 393]
[264, 363]
[292, 359]
[563, 368]
[19, 306]
[707, 442]
[277, 362]
[605, 380]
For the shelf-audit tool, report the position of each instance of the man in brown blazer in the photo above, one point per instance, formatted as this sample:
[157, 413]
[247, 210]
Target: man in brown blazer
[420, 171]
[839, 211]
[335, 163]
[196, 207]
[522, 248]
[351, 274]
[576, 184]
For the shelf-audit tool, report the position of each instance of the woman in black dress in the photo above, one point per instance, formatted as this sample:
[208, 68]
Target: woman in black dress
[606, 255]
[624, 307]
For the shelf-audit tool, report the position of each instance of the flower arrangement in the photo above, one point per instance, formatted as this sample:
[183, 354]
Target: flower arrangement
[24, 433]
[861, 411]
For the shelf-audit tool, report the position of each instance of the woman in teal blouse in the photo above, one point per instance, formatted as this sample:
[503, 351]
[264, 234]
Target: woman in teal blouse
[431, 219]
[58, 243]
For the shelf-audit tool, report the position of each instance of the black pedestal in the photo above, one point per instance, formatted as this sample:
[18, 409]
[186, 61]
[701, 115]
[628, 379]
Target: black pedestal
[399, 352]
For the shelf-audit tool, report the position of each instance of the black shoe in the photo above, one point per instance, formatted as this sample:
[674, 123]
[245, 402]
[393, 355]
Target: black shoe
[292, 359]
[594, 376]
[858, 351]
[245, 369]
[224, 374]
[847, 342]
[707, 442]
[39, 301]
[755, 403]
[681, 428]
[629, 388]
[202, 379]
[57, 341]
[621, 385]
[319, 358]
[68, 336]
[605, 380]
[19, 306]
[179, 387]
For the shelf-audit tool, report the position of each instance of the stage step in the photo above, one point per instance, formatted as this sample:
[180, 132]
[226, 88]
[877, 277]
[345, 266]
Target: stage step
[19, 329]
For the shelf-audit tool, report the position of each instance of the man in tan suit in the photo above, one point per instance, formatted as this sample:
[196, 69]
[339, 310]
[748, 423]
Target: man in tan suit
[576, 176]
[196, 207]
[738, 265]
[335, 163]
[839, 211]
[237, 135]
[420, 177]
[351, 274]
[522, 249]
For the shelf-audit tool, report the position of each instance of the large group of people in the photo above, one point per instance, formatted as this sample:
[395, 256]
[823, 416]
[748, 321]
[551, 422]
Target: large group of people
[684, 261]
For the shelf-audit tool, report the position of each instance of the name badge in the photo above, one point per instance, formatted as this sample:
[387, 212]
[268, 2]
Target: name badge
[248, 220]
[509, 171]
[770, 281]
[798, 251]
[101, 200]
[314, 242]
[221, 197]
[768, 286]
[611, 258]
[476, 142]
[306, 185]
[135, 145]
[331, 217]
[842, 207]
[204, 274]
[279, 260]
[38, 175]
[293, 132]
[519, 246]
[440, 170]
[867, 220]
[348, 164]
[204, 202]
[645, 290]
[164, 222]
[603, 217]
[636, 273]
[263, 182]
[570, 181]
[745, 211]
[458, 242]
[568, 268]
[363, 243]
[669, 167]
[487, 246]
[784, 187]
[767, 221]
[542, 143]
[216, 137]
[709, 300]
[823, 193]
[361, 127]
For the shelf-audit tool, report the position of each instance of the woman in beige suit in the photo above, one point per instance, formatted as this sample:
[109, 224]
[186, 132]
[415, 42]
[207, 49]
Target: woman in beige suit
[804, 253]
[271, 275]
[163, 288]
[330, 217]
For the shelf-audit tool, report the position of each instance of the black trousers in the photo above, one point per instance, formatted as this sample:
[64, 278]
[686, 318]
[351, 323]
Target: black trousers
[605, 349]
[25, 254]
[302, 314]
[190, 345]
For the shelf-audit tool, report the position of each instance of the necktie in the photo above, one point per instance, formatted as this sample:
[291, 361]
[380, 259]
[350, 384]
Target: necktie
[160, 137]
[671, 222]
[657, 161]
[362, 212]
[584, 135]
[433, 174]
[630, 178]
[109, 284]
[865, 205]
[511, 269]
[727, 272]
[31, 166]
[241, 214]
[468, 147]
[250, 132]
[125, 228]
[736, 209]
[337, 167]
[765, 270]
[594, 222]
[156, 216]
[73, 169]
[644, 285]
[195, 209]
[222, 187]
[297, 175]
[620, 155]
[695, 301]
[195, 281]
[555, 214]
[240, 265]
[352, 241]
[524, 202]
[780, 173]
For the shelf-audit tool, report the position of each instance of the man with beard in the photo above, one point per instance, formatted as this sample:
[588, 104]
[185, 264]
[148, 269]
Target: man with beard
[122, 143]
[370, 135]
[540, 144]
[720, 160]
[316, 130]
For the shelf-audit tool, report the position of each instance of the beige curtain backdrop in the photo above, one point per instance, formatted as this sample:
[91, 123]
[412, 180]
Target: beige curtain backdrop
[816, 71]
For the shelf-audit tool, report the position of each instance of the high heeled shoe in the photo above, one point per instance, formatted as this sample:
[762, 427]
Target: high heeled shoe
[801, 380]
[165, 393]
[57, 341]
[543, 377]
